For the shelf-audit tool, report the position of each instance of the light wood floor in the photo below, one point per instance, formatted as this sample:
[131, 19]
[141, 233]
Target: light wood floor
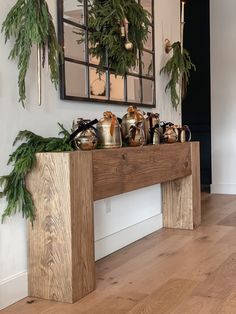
[170, 271]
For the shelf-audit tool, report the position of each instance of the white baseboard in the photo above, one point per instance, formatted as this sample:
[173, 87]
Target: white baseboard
[13, 289]
[118, 240]
[223, 188]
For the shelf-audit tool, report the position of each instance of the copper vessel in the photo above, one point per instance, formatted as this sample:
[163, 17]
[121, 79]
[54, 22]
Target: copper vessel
[84, 134]
[132, 116]
[184, 134]
[109, 131]
[171, 134]
[152, 125]
[137, 135]
[156, 135]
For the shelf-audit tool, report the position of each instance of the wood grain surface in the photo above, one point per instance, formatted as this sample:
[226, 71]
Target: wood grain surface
[50, 255]
[117, 171]
[64, 186]
[82, 225]
[196, 183]
[166, 298]
[171, 271]
[181, 202]
[61, 243]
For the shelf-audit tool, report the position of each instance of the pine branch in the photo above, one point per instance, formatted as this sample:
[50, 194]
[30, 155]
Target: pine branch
[107, 45]
[30, 23]
[178, 68]
[23, 160]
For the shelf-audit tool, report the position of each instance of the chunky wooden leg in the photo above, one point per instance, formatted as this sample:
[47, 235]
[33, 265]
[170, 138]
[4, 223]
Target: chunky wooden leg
[61, 243]
[181, 199]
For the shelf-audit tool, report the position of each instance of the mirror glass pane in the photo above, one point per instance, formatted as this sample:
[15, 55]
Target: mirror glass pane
[148, 45]
[74, 43]
[93, 59]
[136, 68]
[147, 4]
[147, 64]
[117, 88]
[74, 11]
[75, 79]
[148, 91]
[133, 89]
[98, 84]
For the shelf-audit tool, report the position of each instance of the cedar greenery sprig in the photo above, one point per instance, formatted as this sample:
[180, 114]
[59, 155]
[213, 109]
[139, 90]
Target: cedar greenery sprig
[106, 43]
[178, 68]
[30, 22]
[23, 159]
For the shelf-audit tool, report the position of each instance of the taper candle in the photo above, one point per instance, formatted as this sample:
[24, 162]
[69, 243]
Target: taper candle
[39, 74]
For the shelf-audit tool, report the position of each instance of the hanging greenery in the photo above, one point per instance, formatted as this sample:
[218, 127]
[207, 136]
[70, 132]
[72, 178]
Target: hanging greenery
[23, 159]
[118, 29]
[178, 69]
[30, 22]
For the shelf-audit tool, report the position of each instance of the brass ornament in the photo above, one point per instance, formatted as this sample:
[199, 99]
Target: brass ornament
[128, 44]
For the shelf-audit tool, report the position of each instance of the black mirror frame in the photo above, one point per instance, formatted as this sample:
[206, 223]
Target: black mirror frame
[64, 96]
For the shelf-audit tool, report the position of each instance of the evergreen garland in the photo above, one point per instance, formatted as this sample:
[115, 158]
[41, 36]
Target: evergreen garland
[30, 22]
[23, 159]
[178, 68]
[106, 44]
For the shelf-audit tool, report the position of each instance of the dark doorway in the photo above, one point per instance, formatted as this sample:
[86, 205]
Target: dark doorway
[196, 107]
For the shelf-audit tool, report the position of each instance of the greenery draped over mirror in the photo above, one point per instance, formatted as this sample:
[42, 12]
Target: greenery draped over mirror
[108, 51]
[105, 21]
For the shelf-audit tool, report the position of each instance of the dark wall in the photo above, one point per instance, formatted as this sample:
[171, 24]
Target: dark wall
[196, 106]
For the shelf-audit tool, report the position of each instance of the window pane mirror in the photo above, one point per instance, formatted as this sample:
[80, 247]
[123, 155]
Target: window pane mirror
[79, 75]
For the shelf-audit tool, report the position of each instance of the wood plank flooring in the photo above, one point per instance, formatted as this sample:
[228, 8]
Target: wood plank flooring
[169, 271]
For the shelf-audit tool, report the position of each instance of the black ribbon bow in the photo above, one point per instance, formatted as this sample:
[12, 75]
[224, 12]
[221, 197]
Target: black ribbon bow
[82, 127]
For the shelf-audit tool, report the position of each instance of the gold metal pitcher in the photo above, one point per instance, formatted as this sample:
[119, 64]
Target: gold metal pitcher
[184, 134]
[171, 134]
[137, 135]
[133, 116]
[151, 126]
[109, 131]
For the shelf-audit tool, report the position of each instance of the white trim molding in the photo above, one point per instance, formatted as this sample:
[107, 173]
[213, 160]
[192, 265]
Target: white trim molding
[223, 188]
[120, 239]
[13, 289]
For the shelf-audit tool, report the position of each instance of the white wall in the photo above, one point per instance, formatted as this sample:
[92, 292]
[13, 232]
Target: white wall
[118, 221]
[167, 27]
[223, 97]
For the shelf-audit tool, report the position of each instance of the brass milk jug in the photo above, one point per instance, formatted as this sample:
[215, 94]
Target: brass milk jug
[137, 135]
[156, 135]
[84, 134]
[152, 126]
[184, 134]
[132, 116]
[109, 132]
[171, 134]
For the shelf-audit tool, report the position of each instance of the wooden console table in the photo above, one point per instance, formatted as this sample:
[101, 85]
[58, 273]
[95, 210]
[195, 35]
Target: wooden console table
[64, 187]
